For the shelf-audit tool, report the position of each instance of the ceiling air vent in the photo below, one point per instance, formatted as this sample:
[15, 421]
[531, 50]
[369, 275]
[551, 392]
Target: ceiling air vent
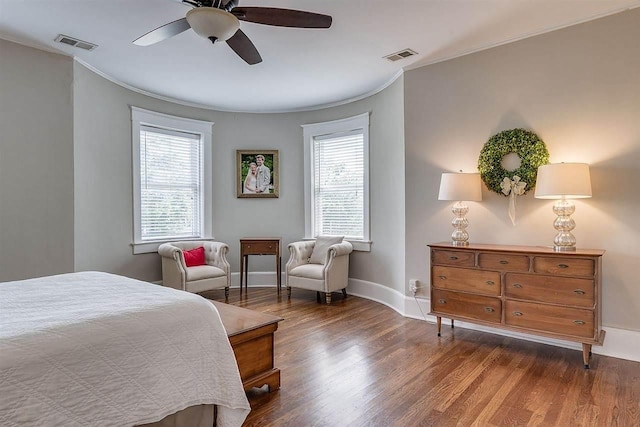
[75, 42]
[401, 55]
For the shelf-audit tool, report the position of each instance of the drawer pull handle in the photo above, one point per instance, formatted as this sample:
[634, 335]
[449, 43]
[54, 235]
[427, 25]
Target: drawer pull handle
[504, 262]
[563, 266]
[441, 301]
[517, 285]
[453, 258]
[579, 322]
[489, 309]
[248, 246]
[443, 277]
[517, 313]
[579, 292]
[490, 282]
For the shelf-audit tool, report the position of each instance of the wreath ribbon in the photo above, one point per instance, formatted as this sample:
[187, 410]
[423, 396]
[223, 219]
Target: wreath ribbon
[513, 188]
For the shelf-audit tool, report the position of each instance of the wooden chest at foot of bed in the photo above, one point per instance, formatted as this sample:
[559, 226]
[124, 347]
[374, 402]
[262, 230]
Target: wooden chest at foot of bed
[251, 336]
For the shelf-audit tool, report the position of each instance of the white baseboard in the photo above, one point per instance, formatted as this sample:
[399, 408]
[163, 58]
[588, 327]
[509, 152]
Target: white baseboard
[620, 343]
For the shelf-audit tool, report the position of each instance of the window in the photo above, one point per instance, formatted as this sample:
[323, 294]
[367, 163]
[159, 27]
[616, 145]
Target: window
[172, 179]
[337, 180]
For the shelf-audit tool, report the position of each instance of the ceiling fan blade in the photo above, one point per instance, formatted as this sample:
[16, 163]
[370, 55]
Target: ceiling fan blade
[245, 49]
[282, 17]
[161, 33]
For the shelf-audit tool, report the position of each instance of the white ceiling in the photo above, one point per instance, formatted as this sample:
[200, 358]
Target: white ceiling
[301, 68]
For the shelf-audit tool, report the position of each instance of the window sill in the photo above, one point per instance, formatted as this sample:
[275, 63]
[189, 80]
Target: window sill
[358, 245]
[361, 245]
[151, 247]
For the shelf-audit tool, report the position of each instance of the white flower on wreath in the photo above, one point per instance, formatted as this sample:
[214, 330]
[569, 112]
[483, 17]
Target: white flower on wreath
[514, 186]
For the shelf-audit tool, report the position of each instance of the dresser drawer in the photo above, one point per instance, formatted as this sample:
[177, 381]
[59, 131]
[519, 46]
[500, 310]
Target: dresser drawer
[564, 266]
[548, 318]
[558, 290]
[258, 247]
[466, 305]
[504, 262]
[460, 258]
[466, 279]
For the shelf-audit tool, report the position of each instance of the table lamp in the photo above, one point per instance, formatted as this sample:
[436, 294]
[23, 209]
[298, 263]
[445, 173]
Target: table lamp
[460, 187]
[563, 181]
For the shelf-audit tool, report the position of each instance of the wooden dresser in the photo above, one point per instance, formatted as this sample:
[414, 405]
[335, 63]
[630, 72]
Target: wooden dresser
[530, 289]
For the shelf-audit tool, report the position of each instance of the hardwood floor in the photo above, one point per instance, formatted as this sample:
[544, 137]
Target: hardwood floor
[359, 363]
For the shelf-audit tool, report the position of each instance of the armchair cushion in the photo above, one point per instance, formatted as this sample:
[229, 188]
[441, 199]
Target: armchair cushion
[194, 257]
[200, 272]
[311, 271]
[321, 248]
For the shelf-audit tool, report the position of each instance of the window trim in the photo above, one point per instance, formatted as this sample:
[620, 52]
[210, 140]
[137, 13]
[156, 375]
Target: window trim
[141, 117]
[313, 130]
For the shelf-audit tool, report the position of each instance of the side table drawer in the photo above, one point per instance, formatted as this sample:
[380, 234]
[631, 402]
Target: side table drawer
[259, 248]
[557, 290]
[466, 279]
[548, 318]
[466, 305]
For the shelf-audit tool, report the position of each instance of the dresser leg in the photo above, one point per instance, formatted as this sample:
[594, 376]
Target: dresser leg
[451, 323]
[439, 323]
[586, 354]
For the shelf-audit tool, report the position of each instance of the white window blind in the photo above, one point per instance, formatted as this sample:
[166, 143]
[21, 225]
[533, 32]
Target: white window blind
[171, 204]
[338, 185]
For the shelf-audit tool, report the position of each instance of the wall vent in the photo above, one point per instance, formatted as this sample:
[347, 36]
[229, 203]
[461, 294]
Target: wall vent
[405, 53]
[75, 42]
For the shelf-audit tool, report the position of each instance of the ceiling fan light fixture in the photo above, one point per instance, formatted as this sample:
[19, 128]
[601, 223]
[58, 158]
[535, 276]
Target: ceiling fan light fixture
[210, 22]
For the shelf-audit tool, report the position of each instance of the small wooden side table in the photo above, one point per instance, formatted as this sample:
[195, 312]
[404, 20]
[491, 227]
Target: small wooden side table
[259, 246]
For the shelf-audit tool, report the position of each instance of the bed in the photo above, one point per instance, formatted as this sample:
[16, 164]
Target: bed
[97, 349]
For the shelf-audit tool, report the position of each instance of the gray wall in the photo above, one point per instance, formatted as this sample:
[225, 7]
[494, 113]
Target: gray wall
[36, 163]
[103, 191]
[579, 90]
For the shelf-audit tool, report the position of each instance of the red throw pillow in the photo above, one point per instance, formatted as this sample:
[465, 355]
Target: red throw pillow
[194, 257]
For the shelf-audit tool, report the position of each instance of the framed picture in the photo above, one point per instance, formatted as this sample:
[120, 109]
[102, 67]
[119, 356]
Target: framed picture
[257, 173]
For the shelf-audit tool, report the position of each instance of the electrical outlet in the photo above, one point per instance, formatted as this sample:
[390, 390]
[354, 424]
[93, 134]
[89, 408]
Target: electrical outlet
[413, 286]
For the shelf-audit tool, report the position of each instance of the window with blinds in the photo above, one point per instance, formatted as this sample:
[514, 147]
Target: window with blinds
[336, 180]
[172, 179]
[339, 185]
[171, 202]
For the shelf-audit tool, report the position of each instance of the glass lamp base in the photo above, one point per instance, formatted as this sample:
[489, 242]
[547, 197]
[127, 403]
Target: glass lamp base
[460, 237]
[564, 240]
[564, 248]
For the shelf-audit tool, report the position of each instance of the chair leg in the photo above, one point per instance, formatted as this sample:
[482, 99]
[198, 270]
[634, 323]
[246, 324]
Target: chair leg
[289, 292]
[327, 296]
[226, 293]
[344, 292]
[318, 297]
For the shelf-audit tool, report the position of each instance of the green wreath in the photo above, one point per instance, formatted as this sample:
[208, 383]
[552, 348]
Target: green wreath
[527, 145]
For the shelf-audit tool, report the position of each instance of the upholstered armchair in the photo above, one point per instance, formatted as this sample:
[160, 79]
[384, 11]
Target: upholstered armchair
[214, 274]
[325, 271]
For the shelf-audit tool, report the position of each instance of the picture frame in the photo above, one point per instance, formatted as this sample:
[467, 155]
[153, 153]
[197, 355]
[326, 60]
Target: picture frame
[257, 173]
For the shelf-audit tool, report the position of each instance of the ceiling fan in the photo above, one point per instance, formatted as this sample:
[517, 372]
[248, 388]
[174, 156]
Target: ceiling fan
[220, 22]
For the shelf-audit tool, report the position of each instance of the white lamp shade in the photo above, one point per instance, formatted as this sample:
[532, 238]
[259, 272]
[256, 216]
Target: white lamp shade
[460, 187]
[568, 180]
[211, 22]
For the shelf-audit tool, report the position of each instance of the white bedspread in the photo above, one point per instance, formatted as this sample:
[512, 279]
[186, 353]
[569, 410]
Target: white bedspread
[96, 349]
